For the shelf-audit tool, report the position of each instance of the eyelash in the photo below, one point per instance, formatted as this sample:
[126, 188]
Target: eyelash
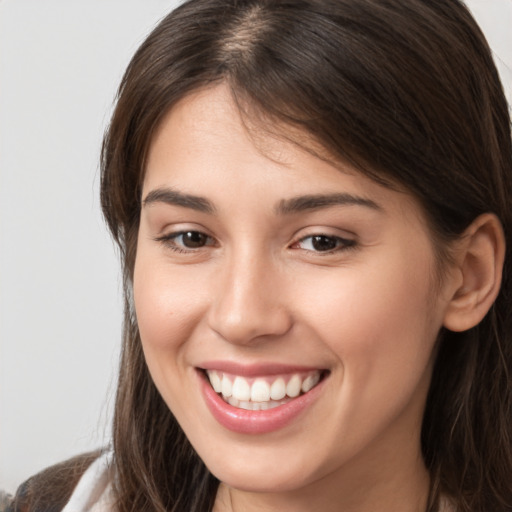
[169, 241]
[341, 244]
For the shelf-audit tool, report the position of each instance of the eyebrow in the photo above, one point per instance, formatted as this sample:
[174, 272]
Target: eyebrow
[284, 207]
[173, 197]
[319, 201]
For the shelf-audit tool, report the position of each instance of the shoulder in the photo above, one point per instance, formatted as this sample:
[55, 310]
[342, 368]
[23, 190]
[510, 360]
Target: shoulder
[51, 489]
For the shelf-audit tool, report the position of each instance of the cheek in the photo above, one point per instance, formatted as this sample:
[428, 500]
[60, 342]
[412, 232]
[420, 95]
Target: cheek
[167, 308]
[164, 304]
[377, 322]
[158, 323]
[380, 323]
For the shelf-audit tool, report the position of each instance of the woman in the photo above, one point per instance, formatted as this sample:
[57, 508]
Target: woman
[312, 204]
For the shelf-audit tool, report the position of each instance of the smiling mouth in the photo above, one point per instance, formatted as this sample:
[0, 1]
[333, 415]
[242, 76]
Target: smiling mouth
[262, 393]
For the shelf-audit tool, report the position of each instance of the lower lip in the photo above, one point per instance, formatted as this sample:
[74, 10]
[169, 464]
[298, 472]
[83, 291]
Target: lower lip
[256, 422]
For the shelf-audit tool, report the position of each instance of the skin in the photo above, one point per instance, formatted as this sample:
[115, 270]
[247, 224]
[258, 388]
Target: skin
[369, 312]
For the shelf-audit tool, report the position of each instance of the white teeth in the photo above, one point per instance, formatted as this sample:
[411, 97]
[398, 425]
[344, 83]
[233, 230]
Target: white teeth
[215, 380]
[255, 406]
[293, 386]
[261, 394]
[260, 391]
[278, 389]
[227, 387]
[310, 382]
[241, 389]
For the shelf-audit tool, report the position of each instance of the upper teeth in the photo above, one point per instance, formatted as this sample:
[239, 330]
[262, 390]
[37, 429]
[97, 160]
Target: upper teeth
[262, 389]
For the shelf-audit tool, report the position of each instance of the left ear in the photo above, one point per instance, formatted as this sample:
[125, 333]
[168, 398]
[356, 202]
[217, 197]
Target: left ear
[479, 260]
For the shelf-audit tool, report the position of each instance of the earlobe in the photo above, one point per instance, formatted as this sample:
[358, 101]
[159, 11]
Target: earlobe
[480, 262]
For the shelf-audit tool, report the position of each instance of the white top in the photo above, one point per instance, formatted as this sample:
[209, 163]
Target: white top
[94, 490]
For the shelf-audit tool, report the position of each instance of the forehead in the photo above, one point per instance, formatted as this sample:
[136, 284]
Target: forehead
[205, 144]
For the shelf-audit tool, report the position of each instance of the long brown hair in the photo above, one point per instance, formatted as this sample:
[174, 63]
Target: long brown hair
[406, 91]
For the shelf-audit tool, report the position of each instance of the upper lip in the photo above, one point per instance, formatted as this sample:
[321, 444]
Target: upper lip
[255, 369]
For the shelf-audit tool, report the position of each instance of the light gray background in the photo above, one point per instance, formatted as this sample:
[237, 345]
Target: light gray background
[60, 304]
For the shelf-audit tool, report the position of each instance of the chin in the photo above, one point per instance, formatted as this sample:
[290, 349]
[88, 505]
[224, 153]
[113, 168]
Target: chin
[261, 480]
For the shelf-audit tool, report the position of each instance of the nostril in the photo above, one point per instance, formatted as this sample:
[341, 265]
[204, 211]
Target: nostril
[250, 325]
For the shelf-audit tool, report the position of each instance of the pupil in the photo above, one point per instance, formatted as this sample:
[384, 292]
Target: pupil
[194, 239]
[323, 243]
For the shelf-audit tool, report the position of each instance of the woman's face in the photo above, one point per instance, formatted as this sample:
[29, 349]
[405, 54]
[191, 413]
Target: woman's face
[306, 292]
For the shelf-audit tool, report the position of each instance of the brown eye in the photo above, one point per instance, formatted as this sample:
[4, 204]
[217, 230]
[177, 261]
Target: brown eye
[193, 239]
[186, 241]
[323, 243]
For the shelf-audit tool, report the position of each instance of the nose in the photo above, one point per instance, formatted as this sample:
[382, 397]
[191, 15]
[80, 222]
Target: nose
[248, 305]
